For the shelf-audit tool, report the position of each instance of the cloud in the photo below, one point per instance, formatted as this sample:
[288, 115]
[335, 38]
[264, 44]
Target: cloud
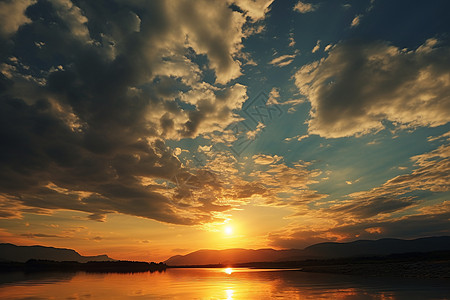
[285, 185]
[432, 173]
[220, 39]
[283, 60]
[274, 95]
[356, 20]
[328, 47]
[73, 17]
[255, 9]
[297, 137]
[303, 7]
[393, 209]
[252, 134]
[444, 136]
[367, 207]
[359, 86]
[316, 47]
[12, 15]
[293, 103]
[264, 159]
[291, 40]
[221, 184]
[41, 235]
[416, 226]
[214, 108]
[86, 110]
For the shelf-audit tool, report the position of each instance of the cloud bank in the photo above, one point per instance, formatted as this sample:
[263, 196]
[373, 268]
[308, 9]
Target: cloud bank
[90, 90]
[360, 86]
[380, 211]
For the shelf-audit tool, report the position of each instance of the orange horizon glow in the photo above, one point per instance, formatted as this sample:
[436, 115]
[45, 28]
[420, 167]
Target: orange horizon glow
[124, 237]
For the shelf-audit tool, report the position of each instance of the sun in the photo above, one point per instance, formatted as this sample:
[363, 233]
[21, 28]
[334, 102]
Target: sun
[228, 230]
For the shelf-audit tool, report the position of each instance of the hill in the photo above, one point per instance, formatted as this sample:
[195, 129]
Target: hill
[358, 248]
[10, 252]
[231, 256]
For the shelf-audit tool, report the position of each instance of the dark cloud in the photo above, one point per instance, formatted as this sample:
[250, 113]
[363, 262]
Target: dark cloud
[41, 235]
[379, 212]
[12, 15]
[369, 207]
[89, 92]
[432, 173]
[361, 85]
[407, 227]
[413, 226]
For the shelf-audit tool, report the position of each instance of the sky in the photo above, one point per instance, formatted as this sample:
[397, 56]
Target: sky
[146, 129]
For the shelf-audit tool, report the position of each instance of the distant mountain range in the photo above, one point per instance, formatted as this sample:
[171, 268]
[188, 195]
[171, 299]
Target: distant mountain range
[358, 248]
[10, 252]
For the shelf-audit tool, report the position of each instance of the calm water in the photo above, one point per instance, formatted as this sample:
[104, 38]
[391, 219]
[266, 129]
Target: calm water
[216, 284]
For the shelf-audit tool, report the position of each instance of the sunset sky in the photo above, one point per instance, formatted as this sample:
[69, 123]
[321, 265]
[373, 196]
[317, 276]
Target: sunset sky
[145, 129]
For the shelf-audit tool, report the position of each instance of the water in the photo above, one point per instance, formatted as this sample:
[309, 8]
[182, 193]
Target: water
[216, 284]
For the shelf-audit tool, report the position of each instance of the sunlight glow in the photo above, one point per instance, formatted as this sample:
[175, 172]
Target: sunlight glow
[229, 294]
[228, 271]
[228, 230]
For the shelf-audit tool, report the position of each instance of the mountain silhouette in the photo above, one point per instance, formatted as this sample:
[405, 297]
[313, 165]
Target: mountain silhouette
[229, 256]
[10, 252]
[327, 250]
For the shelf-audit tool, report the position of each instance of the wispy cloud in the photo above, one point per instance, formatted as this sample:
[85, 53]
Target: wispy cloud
[297, 137]
[283, 60]
[431, 174]
[264, 159]
[316, 47]
[412, 226]
[391, 209]
[444, 136]
[356, 20]
[41, 235]
[291, 40]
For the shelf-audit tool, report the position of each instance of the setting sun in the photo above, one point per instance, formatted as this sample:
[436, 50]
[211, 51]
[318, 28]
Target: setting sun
[228, 230]
[228, 271]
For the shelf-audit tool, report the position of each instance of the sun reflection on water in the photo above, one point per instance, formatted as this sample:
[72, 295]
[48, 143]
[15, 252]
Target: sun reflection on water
[213, 284]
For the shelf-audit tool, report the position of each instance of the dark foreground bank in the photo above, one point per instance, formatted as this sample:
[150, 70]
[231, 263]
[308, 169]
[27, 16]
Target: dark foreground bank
[34, 265]
[388, 269]
[419, 265]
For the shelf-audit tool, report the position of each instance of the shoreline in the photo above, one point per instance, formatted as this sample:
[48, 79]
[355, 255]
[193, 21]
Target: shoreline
[37, 266]
[409, 265]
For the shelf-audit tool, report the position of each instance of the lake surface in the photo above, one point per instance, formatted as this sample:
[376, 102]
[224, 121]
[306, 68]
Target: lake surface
[216, 284]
